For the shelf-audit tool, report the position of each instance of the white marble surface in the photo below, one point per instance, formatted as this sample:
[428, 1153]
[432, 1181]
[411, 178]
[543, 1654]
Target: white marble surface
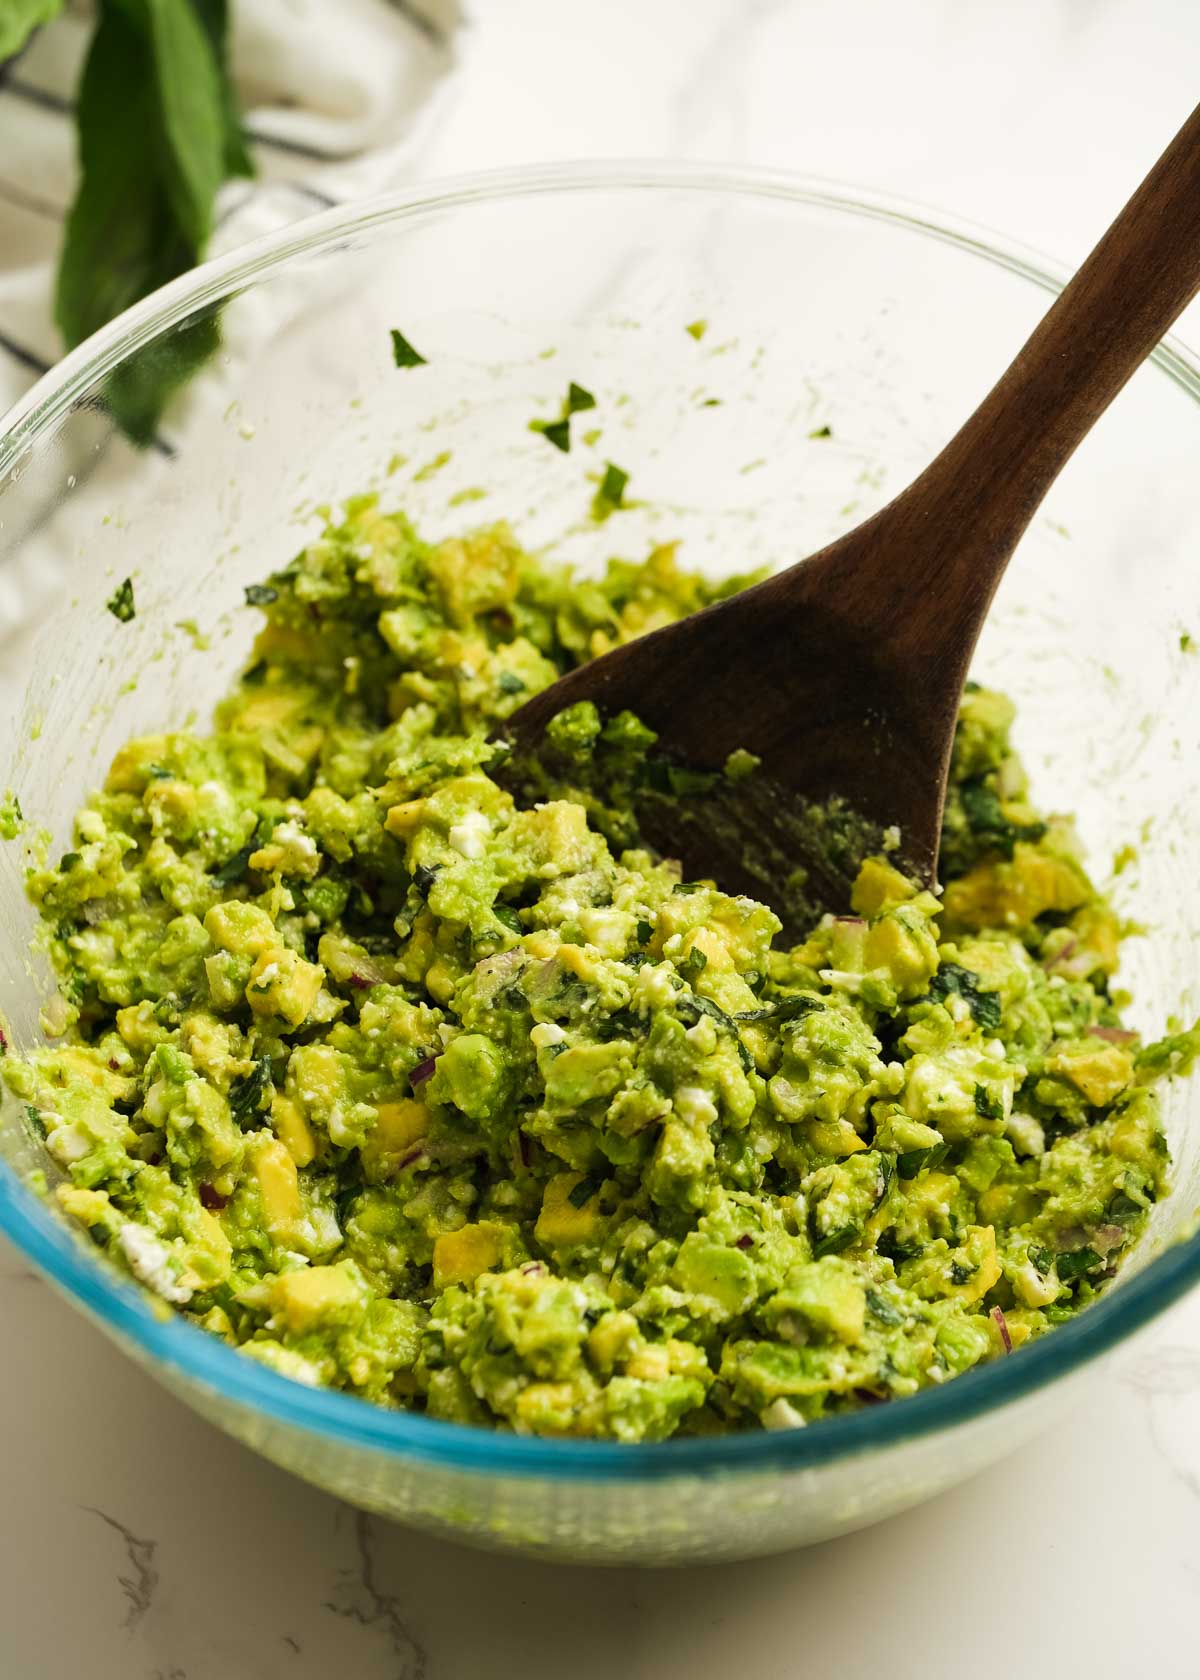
[139, 1544]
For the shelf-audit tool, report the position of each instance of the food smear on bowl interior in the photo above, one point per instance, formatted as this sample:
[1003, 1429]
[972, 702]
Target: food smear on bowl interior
[482, 1111]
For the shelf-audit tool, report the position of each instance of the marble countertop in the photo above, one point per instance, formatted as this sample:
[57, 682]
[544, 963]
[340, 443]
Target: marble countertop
[140, 1544]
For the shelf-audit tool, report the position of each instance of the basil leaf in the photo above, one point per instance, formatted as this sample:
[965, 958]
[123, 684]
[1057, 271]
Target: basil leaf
[581, 1194]
[836, 1241]
[578, 399]
[246, 1094]
[193, 116]
[120, 602]
[1077, 1262]
[403, 353]
[984, 1004]
[19, 19]
[214, 19]
[260, 594]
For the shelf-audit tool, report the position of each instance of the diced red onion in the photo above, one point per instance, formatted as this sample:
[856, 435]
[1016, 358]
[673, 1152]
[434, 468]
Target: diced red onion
[413, 1155]
[523, 1148]
[744, 1241]
[1107, 1237]
[212, 1199]
[1113, 1035]
[850, 921]
[533, 1269]
[423, 1071]
[1001, 1324]
[869, 1396]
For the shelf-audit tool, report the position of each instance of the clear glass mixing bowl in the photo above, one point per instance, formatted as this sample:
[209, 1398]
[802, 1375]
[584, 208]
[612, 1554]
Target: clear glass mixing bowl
[825, 306]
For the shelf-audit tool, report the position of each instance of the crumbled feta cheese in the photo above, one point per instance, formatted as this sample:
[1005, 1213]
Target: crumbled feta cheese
[468, 836]
[781, 1414]
[150, 1262]
[545, 1034]
[695, 1106]
[1025, 1134]
[891, 839]
[66, 1143]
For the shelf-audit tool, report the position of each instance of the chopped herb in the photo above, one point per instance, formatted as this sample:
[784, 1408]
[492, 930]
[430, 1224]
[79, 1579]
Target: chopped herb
[890, 1246]
[581, 1194]
[1042, 1259]
[694, 964]
[255, 673]
[836, 1241]
[988, 824]
[120, 603]
[822, 432]
[622, 1023]
[578, 399]
[610, 496]
[509, 683]
[1075, 1264]
[68, 861]
[424, 875]
[686, 784]
[983, 1004]
[711, 402]
[557, 432]
[35, 1120]
[1187, 643]
[260, 594]
[697, 329]
[247, 1093]
[403, 353]
[986, 1103]
[158, 772]
[961, 1274]
[912, 1161]
[882, 1309]
[234, 868]
[783, 1009]
[508, 917]
[644, 932]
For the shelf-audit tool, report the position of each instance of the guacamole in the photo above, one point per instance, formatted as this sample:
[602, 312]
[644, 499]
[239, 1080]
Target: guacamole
[482, 1111]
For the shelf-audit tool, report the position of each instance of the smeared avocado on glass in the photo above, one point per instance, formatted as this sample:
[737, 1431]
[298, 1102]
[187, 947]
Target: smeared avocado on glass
[483, 1112]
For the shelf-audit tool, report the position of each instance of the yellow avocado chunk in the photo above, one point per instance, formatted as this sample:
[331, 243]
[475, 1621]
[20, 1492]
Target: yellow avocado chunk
[878, 887]
[279, 1189]
[560, 1223]
[292, 1130]
[316, 1295]
[1099, 1074]
[282, 983]
[460, 1256]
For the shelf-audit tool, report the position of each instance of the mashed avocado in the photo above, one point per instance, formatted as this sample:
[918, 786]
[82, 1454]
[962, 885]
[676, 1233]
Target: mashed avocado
[483, 1112]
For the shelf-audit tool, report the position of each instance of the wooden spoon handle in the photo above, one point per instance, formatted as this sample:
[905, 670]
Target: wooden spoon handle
[976, 498]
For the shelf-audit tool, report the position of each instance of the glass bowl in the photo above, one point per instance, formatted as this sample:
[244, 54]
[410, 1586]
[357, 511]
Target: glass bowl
[825, 307]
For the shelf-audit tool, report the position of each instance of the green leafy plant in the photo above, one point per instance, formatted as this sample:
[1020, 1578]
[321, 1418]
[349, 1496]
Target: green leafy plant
[158, 134]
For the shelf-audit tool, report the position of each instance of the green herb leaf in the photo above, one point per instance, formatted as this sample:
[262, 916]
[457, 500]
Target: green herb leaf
[509, 683]
[120, 602]
[836, 1241]
[557, 432]
[403, 353]
[157, 134]
[610, 496]
[911, 1161]
[424, 875]
[1075, 1264]
[990, 1106]
[883, 1309]
[983, 1004]
[508, 917]
[581, 1194]
[988, 824]
[19, 19]
[694, 964]
[214, 18]
[260, 594]
[247, 1093]
[644, 932]
[822, 432]
[68, 861]
[234, 868]
[578, 399]
[192, 114]
[697, 329]
[961, 1274]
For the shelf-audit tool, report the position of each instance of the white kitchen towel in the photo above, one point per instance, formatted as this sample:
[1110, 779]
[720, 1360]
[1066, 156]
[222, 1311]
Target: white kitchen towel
[336, 95]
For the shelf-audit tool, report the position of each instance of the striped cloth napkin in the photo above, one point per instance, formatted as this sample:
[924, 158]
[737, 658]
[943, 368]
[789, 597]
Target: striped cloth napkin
[336, 95]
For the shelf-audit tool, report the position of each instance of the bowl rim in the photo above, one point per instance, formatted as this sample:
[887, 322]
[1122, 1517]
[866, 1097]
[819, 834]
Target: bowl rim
[191, 1356]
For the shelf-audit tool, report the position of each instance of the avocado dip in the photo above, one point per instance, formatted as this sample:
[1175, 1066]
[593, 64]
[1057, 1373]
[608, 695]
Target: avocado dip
[482, 1112]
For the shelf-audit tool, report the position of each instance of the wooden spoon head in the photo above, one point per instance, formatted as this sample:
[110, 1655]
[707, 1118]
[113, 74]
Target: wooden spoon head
[852, 745]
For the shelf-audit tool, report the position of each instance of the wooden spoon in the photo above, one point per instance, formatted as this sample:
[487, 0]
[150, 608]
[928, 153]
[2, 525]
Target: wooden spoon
[844, 673]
